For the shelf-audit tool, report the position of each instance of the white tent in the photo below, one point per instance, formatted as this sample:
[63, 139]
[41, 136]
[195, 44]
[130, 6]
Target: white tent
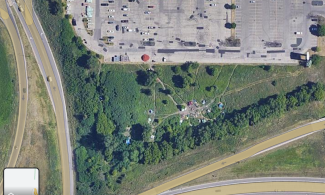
[89, 11]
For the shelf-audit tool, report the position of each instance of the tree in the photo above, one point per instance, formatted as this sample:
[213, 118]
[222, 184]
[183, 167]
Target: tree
[177, 69]
[233, 25]
[92, 62]
[318, 49]
[55, 7]
[321, 30]
[152, 154]
[211, 70]
[146, 133]
[166, 150]
[319, 93]
[146, 78]
[316, 59]
[104, 126]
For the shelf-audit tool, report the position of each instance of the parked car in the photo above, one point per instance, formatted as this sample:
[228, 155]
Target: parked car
[124, 21]
[151, 6]
[117, 27]
[110, 16]
[147, 12]
[110, 22]
[213, 4]
[151, 27]
[111, 10]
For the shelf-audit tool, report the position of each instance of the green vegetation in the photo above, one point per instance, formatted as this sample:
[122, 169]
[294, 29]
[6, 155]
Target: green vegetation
[111, 104]
[316, 59]
[321, 30]
[7, 85]
[305, 157]
[8, 103]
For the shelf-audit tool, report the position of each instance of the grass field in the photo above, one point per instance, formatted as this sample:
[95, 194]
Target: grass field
[8, 94]
[40, 143]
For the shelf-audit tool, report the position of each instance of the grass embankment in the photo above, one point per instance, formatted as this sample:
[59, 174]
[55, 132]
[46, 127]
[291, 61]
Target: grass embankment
[8, 95]
[40, 142]
[302, 158]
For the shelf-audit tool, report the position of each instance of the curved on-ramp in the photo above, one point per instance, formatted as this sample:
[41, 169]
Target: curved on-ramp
[9, 21]
[256, 149]
[254, 186]
[48, 67]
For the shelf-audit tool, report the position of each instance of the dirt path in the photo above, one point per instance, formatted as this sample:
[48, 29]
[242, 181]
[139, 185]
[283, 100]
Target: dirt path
[162, 84]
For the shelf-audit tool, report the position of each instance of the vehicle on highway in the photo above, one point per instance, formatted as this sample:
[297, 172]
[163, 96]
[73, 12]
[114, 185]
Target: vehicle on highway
[213, 4]
[49, 79]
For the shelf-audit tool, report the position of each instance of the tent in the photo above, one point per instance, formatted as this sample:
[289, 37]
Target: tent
[145, 57]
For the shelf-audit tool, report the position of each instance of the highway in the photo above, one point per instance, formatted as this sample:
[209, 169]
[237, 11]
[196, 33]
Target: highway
[258, 148]
[48, 67]
[255, 185]
[10, 24]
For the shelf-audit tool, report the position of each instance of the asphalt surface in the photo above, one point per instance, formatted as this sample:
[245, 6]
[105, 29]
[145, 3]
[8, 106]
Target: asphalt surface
[48, 67]
[10, 23]
[204, 188]
[265, 145]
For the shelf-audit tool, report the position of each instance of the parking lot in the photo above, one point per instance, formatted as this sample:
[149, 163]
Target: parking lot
[272, 28]
[182, 30]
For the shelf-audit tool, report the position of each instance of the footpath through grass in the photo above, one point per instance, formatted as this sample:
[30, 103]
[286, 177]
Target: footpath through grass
[8, 94]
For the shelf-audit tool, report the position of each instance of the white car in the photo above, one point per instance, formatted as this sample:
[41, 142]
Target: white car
[147, 12]
[213, 4]
[110, 16]
[125, 9]
[111, 10]
[129, 30]
[145, 39]
[110, 31]
[252, 1]
[145, 33]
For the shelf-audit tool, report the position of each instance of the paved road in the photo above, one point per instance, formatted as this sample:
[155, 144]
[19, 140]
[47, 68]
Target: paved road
[48, 67]
[265, 145]
[10, 23]
[253, 183]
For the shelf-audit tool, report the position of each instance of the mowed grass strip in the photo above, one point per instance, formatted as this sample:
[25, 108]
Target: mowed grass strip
[8, 99]
[6, 80]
